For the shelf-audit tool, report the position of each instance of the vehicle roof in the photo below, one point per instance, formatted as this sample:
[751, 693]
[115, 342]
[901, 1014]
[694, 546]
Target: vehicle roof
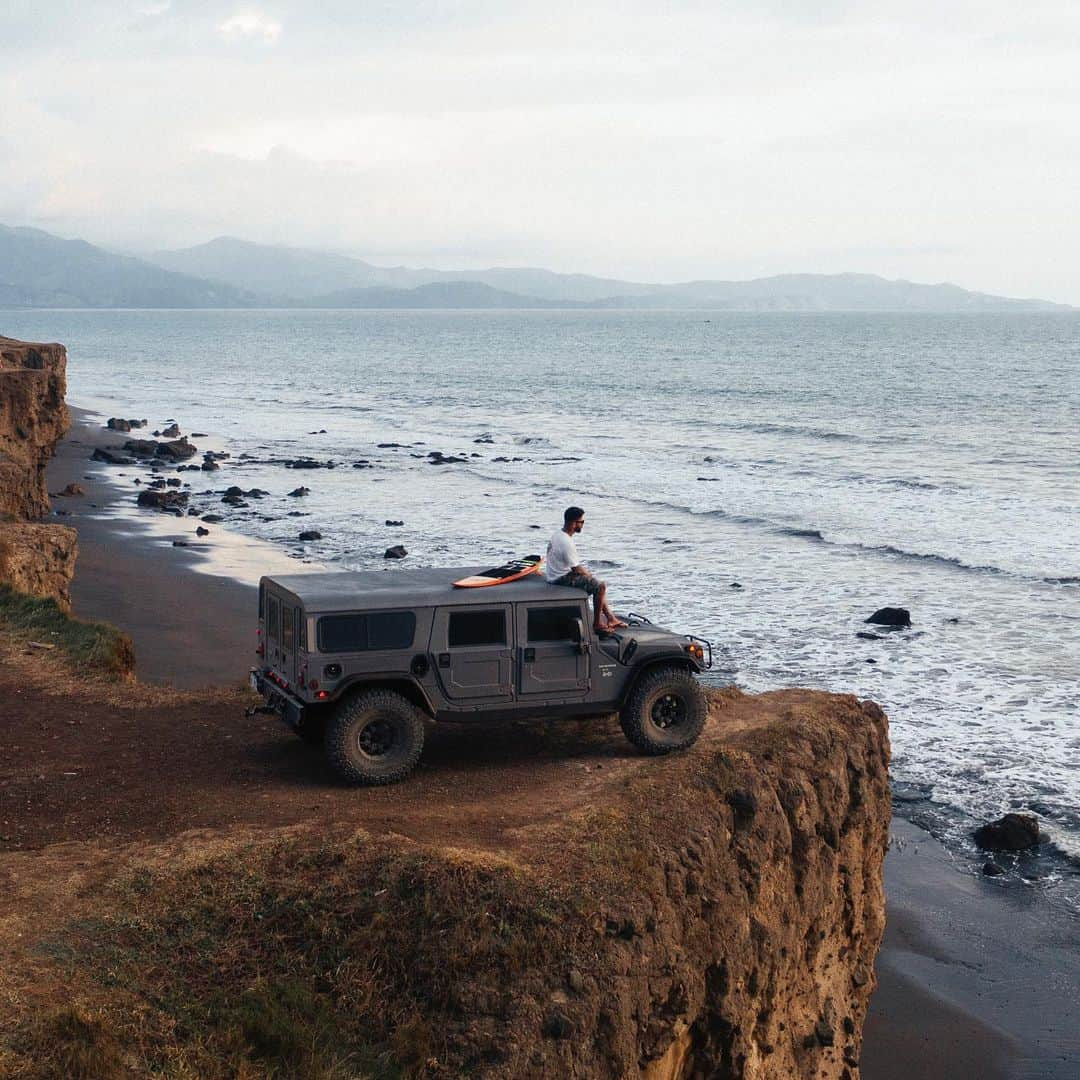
[433, 587]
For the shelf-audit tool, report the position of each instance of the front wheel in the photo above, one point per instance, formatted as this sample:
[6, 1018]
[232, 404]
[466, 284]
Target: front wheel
[665, 711]
[374, 737]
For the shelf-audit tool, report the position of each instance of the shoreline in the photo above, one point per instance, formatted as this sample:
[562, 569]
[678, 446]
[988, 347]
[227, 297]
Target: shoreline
[189, 610]
[974, 980]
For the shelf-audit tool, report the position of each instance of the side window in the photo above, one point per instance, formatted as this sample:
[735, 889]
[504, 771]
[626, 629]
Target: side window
[288, 629]
[391, 630]
[361, 633]
[272, 619]
[553, 623]
[470, 628]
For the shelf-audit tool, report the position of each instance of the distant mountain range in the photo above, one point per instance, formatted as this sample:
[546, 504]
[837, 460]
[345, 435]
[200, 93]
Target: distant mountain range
[38, 269]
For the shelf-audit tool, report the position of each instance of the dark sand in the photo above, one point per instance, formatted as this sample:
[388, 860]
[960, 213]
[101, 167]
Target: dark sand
[190, 629]
[976, 979]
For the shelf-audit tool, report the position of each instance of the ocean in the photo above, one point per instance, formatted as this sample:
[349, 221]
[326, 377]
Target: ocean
[763, 480]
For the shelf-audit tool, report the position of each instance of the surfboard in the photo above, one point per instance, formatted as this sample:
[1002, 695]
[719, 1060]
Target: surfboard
[500, 575]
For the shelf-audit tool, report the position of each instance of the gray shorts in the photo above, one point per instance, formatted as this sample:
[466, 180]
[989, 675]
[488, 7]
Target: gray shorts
[590, 585]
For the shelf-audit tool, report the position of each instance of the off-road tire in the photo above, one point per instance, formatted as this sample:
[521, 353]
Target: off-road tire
[664, 712]
[374, 737]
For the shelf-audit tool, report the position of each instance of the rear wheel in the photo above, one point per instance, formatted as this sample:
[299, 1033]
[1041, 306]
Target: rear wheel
[374, 737]
[665, 711]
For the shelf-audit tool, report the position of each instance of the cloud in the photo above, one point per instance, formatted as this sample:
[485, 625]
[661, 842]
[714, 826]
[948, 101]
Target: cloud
[689, 139]
[250, 24]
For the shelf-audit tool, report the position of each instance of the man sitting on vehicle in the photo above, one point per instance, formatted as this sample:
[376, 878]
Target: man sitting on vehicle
[562, 566]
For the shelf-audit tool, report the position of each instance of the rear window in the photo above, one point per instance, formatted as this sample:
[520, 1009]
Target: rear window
[272, 618]
[288, 631]
[471, 628]
[367, 632]
[554, 623]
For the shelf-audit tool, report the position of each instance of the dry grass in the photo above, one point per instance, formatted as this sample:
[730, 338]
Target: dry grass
[60, 673]
[298, 958]
[97, 647]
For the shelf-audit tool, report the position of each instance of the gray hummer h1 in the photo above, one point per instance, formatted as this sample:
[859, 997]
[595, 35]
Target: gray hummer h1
[359, 661]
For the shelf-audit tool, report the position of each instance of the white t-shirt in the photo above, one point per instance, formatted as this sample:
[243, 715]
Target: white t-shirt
[562, 556]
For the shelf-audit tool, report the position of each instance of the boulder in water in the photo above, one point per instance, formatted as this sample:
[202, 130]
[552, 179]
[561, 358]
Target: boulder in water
[891, 616]
[1013, 832]
[395, 552]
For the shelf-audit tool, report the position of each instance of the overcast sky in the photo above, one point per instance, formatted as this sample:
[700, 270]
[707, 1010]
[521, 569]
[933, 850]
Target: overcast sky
[652, 140]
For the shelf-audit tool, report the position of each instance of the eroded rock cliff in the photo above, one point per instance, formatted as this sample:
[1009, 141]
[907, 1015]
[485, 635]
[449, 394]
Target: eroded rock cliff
[33, 419]
[38, 560]
[35, 559]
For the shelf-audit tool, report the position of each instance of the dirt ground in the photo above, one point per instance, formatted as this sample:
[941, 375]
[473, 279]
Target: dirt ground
[144, 763]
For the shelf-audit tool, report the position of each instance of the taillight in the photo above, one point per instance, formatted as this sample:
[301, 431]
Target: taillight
[260, 650]
[323, 694]
[695, 650]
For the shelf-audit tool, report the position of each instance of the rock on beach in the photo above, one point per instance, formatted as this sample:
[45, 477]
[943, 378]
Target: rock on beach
[1013, 832]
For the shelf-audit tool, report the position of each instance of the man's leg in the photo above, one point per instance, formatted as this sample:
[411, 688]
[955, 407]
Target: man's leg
[611, 619]
[599, 606]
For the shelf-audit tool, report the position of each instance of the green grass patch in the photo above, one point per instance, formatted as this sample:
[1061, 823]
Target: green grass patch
[98, 646]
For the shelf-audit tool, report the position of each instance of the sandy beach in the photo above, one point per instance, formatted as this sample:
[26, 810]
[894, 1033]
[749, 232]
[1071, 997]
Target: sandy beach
[974, 978]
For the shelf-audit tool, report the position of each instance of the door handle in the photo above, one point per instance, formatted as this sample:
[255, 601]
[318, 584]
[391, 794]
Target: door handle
[444, 659]
[528, 655]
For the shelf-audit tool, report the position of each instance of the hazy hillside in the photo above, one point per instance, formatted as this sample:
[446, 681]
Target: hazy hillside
[307, 275]
[38, 269]
[281, 271]
[832, 292]
[325, 279]
[440, 294]
[41, 270]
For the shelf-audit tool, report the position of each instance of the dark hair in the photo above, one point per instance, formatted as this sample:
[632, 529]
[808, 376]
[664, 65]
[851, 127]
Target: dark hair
[572, 513]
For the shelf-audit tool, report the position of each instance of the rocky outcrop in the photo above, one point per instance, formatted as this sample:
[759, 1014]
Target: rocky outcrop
[38, 560]
[34, 559]
[33, 419]
[745, 945]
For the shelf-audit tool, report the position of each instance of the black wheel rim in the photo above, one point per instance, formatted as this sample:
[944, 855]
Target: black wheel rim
[376, 738]
[668, 711]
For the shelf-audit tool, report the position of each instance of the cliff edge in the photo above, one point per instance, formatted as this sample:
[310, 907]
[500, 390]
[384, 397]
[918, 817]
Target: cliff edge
[532, 903]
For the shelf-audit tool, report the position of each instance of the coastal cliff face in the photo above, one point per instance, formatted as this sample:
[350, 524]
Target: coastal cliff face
[744, 944]
[33, 419]
[38, 560]
[715, 914]
[34, 559]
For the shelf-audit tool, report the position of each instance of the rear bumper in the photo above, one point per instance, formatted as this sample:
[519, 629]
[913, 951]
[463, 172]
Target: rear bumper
[288, 708]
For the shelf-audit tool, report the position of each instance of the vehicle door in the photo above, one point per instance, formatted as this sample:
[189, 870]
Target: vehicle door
[553, 648]
[289, 642]
[474, 656]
